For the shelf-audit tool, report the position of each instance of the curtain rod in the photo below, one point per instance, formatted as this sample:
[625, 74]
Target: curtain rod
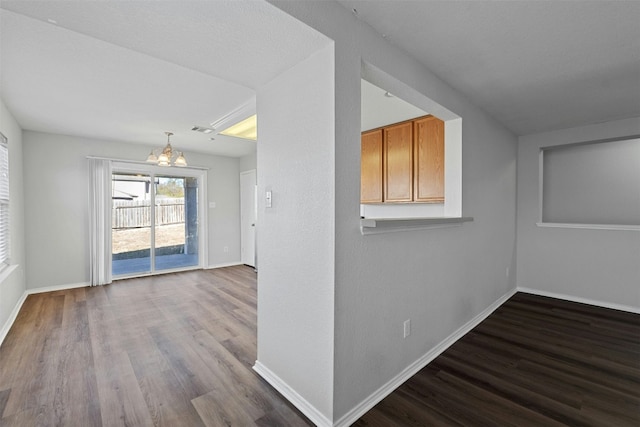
[140, 162]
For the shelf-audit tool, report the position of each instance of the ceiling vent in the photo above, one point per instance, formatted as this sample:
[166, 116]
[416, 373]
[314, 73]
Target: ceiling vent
[202, 129]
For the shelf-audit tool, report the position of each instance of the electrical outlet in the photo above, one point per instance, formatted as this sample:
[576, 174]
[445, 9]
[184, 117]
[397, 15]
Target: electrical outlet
[226, 249]
[407, 328]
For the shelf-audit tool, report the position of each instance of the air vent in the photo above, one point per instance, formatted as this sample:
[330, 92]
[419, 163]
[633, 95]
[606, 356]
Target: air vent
[202, 129]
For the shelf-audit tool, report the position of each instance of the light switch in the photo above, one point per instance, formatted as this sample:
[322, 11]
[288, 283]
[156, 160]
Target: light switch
[268, 199]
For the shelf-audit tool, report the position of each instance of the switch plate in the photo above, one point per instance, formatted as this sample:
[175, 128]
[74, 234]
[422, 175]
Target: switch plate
[212, 205]
[268, 199]
[407, 328]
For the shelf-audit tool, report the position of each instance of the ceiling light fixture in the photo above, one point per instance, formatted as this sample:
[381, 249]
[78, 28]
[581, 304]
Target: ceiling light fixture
[165, 156]
[246, 129]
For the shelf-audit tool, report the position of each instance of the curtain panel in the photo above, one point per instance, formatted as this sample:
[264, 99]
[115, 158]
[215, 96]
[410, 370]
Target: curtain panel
[100, 221]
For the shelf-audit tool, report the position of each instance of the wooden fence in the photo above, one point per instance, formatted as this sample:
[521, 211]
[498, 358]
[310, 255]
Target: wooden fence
[137, 213]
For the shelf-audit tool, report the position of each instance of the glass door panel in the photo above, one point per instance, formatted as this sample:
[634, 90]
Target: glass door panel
[176, 222]
[131, 239]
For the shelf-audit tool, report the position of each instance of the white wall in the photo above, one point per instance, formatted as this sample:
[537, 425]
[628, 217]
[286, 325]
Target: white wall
[600, 266]
[248, 162]
[55, 187]
[13, 285]
[296, 235]
[223, 188]
[441, 278]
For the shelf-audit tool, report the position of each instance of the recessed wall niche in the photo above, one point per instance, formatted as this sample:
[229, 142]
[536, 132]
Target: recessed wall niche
[588, 183]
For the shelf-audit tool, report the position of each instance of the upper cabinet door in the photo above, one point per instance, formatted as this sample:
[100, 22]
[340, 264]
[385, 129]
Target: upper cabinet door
[371, 167]
[429, 160]
[398, 163]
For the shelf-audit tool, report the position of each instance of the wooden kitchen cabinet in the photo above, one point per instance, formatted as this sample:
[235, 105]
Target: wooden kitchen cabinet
[397, 162]
[371, 167]
[403, 162]
[428, 169]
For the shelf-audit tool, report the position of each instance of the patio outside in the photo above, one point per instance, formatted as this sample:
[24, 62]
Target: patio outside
[131, 226]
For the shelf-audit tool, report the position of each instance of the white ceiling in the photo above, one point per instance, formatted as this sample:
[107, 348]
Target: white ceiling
[533, 65]
[129, 71]
[380, 108]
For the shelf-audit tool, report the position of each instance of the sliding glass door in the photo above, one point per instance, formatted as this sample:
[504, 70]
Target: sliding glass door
[130, 224]
[176, 222]
[156, 223]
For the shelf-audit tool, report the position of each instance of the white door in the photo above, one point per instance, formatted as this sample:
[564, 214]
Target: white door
[248, 217]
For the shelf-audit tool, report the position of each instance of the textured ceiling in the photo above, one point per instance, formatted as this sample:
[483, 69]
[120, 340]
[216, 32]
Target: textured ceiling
[533, 65]
[131, 70]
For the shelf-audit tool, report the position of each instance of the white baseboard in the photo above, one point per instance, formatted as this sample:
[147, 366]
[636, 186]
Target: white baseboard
[228, 264]
[292, 396]
[57, 288]
[14, 313]
[611, 305]
[12, 317]
[364, 406]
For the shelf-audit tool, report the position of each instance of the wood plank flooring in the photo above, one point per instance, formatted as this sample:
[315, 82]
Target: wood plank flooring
[177, 350]
[170, 350]
[535, 361]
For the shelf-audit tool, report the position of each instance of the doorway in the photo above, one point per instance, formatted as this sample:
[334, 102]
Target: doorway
[155, 222]
[248, 214]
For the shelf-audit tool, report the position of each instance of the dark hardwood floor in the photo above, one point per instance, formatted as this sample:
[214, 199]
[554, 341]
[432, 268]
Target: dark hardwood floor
[177, 350]
[170, 350]
[535, 361]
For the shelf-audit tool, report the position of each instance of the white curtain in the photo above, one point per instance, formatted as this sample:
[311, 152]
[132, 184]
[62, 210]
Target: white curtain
[100, 221]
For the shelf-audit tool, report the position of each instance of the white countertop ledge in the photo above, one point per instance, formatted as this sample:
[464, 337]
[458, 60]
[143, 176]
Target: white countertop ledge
[391, 225]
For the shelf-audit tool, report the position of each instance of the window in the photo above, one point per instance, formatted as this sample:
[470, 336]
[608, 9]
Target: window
[4, 200]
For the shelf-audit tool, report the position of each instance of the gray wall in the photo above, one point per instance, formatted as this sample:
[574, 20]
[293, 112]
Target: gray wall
[441, 278]
[600, 266]
[248, 162]
[12, 286]
[55, 188]
[296, 235]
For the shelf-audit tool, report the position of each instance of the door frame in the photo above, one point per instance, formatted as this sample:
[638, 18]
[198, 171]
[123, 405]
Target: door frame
[255, 217]
[153, 170]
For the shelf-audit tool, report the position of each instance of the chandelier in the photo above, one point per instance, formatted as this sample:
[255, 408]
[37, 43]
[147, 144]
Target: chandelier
[165, 157]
